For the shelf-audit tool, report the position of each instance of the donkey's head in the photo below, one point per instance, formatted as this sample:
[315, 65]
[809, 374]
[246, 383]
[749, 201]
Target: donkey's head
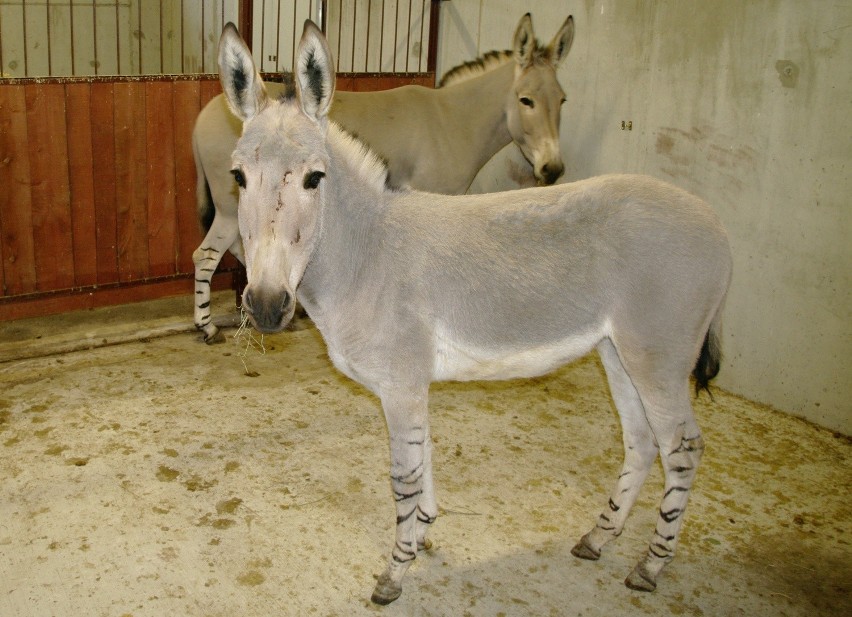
[534, 102]
[279, 164]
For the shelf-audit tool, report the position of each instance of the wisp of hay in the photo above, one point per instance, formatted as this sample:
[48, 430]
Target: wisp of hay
[244, 337]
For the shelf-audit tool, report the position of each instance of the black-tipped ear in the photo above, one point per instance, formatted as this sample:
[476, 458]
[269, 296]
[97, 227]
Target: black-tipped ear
[244, 89]
[315, 77]
[561, 43]
[524, 41]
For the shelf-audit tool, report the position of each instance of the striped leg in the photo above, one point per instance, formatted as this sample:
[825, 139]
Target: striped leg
[680, 454]
[427, 505]
[223, 234]
[411, 480]
[640, 451]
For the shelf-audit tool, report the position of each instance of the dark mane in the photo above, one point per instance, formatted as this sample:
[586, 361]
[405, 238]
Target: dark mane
[488, 61]
[483, 63]
[289, 82]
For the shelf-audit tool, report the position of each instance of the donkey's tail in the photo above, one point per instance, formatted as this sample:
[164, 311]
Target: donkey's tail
[204, 199]
[709, 359]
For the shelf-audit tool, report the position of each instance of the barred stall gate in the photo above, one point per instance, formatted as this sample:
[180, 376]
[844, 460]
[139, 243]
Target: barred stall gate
[97, 104]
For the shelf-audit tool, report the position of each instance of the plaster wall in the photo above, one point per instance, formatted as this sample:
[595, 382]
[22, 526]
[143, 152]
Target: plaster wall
[746, 104]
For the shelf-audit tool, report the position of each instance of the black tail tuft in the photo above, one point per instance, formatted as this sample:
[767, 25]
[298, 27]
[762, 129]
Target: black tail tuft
[206, 210]
[707, 366]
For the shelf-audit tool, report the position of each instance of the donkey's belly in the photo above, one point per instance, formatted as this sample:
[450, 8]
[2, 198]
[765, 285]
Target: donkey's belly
[464, 361]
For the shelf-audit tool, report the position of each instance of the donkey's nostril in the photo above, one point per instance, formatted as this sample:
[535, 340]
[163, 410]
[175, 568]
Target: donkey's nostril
[248, 300]
[550, 172]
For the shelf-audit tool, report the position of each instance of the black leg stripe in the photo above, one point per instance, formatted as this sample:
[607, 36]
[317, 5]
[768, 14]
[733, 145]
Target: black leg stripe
[671, 514]
[405, 517]
[613, 507]
[407, 557]
[664, 554]
[404, 496]
[675, 488]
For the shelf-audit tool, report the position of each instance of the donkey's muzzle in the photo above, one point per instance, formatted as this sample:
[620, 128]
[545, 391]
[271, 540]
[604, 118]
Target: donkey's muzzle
[269, 311]
[550, 173]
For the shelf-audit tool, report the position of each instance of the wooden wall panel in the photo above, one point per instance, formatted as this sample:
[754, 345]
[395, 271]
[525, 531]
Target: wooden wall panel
[162, 222]
[187, 104]
[97, 189]
[102, 114]
[49, 188]
[130, 181]
[19, 271]
[81, 183]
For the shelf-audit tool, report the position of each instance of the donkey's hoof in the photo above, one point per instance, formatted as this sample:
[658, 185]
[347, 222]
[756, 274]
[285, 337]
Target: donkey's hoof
[638, 580]
[214, 338]
[386, 591]
[426, 545]
[584, 551]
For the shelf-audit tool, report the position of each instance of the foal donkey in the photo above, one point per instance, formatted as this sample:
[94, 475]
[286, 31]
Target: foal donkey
[409, 288]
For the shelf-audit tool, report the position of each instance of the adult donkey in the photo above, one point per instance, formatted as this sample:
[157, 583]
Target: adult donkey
[432, 139]
[409, 288]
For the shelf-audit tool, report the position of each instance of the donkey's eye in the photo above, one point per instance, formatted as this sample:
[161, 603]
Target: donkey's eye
[239, 177]
[527, 101]
[313, 178]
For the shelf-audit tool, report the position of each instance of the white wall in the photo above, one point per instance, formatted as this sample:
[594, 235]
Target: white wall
[747, 104]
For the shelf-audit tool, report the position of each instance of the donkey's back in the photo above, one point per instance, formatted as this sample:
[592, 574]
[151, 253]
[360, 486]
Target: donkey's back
[518, 283]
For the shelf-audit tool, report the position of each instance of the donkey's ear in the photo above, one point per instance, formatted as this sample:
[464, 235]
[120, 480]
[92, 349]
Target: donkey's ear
[561, 43]
[243, 87]
[315, 75]
[524, 42]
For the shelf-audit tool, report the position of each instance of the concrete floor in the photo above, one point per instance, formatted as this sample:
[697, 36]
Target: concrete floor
[163, 477]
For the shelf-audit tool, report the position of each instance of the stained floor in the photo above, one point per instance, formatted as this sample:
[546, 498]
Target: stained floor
[159, 476]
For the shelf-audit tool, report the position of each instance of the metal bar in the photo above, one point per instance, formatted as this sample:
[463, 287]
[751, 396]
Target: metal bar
[49, 58]
[408, 38]
[95, 33]
[117, 46]
[162, 66]
[422, 23]
[24, 14]
[246, 19]
[139, 23]
[203, 40]
[354, 31]
[382, 36]
[434, 16]
[182, 54]
[70, 25]
[1, 46]
[395, 32]
[295, 30]
[339, 29]
[367, 44]
[278, 35]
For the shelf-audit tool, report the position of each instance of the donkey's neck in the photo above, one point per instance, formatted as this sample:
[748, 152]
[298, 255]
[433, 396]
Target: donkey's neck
[355, 199]
[479, 118]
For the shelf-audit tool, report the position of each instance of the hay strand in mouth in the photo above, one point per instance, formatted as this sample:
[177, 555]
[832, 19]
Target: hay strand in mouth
[246, 339]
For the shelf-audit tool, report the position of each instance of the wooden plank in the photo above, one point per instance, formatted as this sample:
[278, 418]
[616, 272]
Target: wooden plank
[16, 241]
[209, 89]
[130, 185]
[103, 157]
[186, 107]
[81, 183]
[162, 221]
[89, 298]
[48, 151]
[365, 83]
